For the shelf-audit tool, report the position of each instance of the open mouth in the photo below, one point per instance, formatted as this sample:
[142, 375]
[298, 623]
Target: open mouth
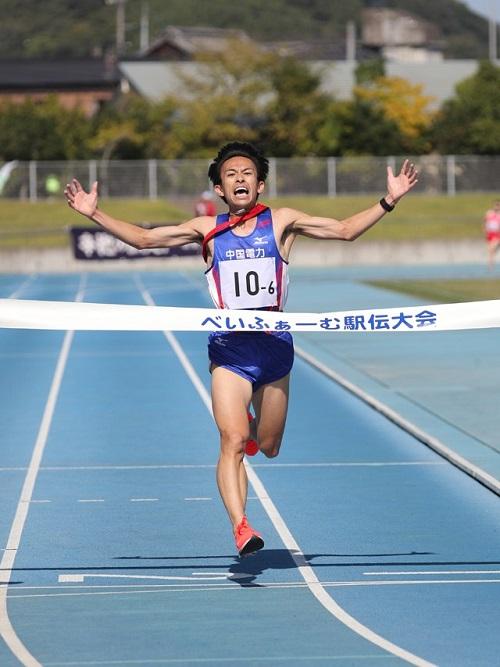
[241, 191]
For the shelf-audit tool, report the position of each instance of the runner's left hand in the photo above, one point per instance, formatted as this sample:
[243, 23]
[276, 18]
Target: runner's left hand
[398, 186]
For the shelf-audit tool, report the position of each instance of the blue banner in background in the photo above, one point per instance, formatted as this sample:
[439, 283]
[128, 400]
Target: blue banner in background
[96, 244]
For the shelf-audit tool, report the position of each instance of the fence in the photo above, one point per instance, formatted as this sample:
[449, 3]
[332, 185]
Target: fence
[330, 177]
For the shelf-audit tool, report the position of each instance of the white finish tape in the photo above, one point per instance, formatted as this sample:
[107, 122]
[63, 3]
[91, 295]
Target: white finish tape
[62, 315]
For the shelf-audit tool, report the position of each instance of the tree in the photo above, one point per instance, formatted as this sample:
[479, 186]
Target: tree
[300, 118]
[133, 128]
[405, 105]
[252, 95]
[366, 130]
[470, 121]
[369, 70]
[223, 99]
[43, 131]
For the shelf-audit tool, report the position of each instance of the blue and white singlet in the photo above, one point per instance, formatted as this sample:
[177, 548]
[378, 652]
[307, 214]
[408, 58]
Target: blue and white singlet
[248, 272]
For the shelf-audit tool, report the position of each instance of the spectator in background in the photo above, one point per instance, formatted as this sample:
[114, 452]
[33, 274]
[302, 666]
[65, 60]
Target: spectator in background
[492, 231]
[52, 185]
[205, 204]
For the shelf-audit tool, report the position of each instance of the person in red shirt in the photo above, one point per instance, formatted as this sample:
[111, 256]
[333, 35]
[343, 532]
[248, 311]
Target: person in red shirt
[492, 231]
[205, 204]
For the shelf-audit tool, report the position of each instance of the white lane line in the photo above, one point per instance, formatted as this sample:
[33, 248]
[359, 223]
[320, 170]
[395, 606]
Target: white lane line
[433, 443]
[22, 286]
[176, 466]
[80, 578]
[346, 659]
[288, 540]
[189, 582]
[428, 572]
[154, 589]
[142, 590]
[197, 498]
[90, 500]
[227, 575]
[144, 500]
[7, 631]
[412, 582]
[349, 464]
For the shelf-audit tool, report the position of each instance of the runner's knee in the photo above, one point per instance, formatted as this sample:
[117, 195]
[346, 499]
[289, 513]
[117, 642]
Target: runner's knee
[233, 441]
[270, 447]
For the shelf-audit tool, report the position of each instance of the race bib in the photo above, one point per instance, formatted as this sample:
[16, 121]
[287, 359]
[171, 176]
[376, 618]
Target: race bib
[248, 283]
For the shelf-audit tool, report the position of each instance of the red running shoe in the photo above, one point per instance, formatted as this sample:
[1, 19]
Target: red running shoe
[248, 540]
[251, 447]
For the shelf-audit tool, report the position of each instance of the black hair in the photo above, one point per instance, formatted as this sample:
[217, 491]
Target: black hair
[234, 149]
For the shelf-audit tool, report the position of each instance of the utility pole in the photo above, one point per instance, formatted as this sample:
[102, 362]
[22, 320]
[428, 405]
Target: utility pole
[144, 34]
[120, 25]
[493, 32]
[351, 41]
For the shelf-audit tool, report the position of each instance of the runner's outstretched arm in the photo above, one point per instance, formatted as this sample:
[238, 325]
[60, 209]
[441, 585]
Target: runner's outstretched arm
[350, 228]
[159, 237]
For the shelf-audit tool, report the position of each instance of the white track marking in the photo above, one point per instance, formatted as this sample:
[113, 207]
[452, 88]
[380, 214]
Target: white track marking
[174, 466]
[228, 575]
[199, 585]
[90, 500]
[303, 567]
[428, 572]
[412, 582]
[351, 464]
[22, 286]
[433, 443]
[7, 632]
[200, 576]
[307, 659]
[144, 500]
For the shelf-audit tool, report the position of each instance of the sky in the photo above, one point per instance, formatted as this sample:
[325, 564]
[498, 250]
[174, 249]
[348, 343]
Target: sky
[484, 7]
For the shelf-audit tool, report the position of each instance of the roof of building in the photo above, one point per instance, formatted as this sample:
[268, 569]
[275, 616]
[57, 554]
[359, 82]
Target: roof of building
[155, 80]
[187, 41]
[322, 49]
[36, 74]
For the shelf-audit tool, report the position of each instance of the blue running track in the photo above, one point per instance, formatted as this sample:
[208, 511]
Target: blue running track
[116, 549]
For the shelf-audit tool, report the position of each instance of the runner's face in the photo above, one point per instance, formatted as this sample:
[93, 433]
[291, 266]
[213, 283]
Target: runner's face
[239, 184]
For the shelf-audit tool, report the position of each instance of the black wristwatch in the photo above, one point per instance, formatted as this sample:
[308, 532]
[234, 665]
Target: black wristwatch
[385, 205]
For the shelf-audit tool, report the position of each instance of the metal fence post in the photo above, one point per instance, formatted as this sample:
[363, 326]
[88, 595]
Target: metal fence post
[153, 179]
[331, 165]
[273, 182]
[33, 185]
[391, 162]
[451, 184]
[92, 172]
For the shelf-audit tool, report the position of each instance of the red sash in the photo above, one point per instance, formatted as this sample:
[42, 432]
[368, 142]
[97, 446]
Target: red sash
[218, 229]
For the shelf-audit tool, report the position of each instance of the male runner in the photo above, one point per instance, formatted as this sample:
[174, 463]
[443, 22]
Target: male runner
[246, 252]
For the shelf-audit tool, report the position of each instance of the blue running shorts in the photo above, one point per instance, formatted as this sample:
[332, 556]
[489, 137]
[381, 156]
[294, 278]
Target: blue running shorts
[259, 357]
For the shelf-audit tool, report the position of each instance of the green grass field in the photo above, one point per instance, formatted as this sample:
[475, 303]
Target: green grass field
[444, 291]
[418, 217]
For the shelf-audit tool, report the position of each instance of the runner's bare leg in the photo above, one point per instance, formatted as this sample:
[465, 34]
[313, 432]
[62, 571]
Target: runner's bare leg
[231, 396]
[271, 404]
